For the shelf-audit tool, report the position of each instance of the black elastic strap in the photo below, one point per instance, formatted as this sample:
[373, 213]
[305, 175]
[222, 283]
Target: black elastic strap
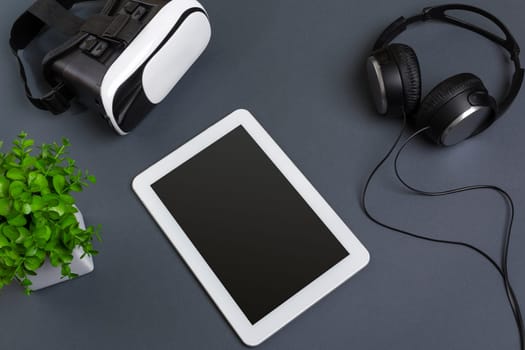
[439, 13]
[54, 14]
[41, 14]
[121, 27]
[57, 100]
[28, 26]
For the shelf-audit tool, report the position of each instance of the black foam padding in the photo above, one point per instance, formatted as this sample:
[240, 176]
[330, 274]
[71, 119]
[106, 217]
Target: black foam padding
[443, 93]
[408, 65]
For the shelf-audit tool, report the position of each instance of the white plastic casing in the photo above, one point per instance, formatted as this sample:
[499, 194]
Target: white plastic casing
[180, 49]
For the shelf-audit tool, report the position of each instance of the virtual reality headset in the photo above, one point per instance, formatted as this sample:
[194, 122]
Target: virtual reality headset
[120, 62]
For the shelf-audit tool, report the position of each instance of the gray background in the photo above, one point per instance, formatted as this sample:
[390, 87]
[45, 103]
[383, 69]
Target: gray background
[298, 66]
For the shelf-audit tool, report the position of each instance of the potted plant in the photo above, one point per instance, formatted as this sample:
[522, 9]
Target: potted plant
[43, 239]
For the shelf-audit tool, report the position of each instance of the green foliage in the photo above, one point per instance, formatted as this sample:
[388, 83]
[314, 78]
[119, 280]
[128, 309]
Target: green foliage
[37, 210]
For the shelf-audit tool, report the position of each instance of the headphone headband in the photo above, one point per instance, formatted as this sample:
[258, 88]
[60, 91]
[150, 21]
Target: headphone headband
[438, 13]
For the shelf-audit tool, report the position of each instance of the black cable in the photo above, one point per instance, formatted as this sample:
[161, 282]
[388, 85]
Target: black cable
[504, 267]
[503, 271]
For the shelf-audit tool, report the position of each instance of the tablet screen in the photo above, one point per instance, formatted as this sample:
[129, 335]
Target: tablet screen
[255, 231]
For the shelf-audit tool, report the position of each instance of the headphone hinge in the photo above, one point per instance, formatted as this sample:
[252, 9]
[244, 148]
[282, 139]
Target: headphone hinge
[426, 14]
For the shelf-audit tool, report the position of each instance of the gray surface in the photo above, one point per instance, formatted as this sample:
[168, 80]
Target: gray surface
[297, 66]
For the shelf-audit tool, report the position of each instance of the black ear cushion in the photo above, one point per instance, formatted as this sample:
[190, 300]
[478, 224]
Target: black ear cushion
[444, 92]
[408, 65]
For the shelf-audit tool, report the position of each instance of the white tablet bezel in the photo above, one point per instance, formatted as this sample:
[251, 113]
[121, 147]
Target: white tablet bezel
[251, 334]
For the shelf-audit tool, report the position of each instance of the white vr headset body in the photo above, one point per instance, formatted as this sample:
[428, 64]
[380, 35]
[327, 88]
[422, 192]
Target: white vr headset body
[161, 53]
[120, 62]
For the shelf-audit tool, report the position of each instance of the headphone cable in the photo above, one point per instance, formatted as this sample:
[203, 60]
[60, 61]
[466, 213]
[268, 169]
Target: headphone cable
[503, 270]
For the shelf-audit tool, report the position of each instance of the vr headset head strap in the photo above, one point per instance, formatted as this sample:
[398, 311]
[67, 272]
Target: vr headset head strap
[42, 14]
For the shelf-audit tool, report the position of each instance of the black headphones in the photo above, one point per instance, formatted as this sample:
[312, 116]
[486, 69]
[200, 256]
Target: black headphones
[457, 108]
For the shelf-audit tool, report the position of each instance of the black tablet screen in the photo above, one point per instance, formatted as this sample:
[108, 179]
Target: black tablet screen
[252, 227]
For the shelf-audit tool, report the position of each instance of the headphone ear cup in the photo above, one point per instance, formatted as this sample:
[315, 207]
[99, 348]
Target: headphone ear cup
[461, 104]
[408, 64]
[394, 79]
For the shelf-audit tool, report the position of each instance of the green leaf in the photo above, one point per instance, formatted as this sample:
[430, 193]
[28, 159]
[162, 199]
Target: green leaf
[97, 234]
[17, 206]
[3, 241]
[16, 189]
[26, 208]
[41, 181]
[28, 162]
[5, 206]
[32, 263]
[10, 232]
[76, 188]
[31, 181]
[66, 238]
[34, 188]
[25, 197]
[4, 187]
[18, 220]
[37, 203]
[13, 255]
[17, 152]
[60, 209]
[59, 182]
[68, 220]
[42, 233]
[31, 251]
[66, 269]
[28, 242]
[26, 282]
[28, 143]
[15, 174]
[56, 171]
[67, 199]
[54, 259]
[9, 262]
[31, 177]
[24, 235]
[40, 164]
[53, 215]
[92, 179]
[41, 254]
[51, 199]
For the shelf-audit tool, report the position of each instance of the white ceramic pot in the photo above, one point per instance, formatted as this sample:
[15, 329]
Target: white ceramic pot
[48, 275]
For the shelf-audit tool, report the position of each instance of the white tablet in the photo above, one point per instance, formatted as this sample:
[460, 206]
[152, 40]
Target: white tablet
[257, 235]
